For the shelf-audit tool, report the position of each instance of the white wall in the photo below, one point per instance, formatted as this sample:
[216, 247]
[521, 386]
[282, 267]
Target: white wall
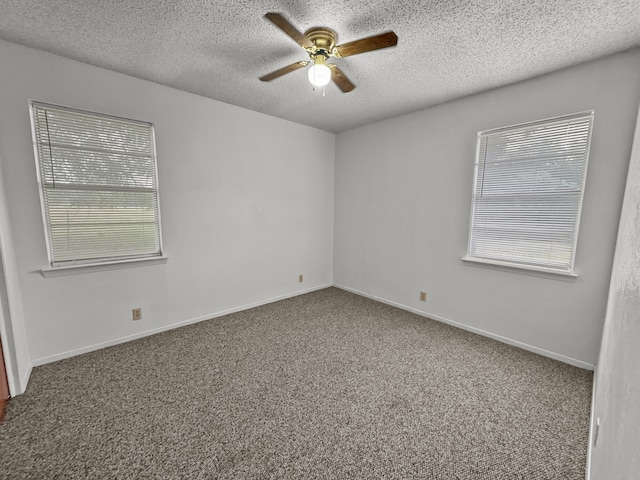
[403, 198]
[246, 204]
[616, 455]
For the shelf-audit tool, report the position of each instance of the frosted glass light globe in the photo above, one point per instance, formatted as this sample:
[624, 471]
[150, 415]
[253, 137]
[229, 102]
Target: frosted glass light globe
[319, 75]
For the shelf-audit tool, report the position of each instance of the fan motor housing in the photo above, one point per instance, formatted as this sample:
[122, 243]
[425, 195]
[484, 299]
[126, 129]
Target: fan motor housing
[322, 38]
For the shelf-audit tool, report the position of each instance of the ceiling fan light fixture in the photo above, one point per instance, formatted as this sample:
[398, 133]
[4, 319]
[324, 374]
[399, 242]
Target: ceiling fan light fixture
[319, 74]
[320, 44]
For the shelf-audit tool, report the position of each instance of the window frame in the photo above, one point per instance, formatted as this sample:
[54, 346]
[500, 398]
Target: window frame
[67, 267]
[528, 265]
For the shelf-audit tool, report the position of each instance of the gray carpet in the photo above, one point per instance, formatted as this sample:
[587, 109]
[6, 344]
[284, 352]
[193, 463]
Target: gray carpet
[327, 385]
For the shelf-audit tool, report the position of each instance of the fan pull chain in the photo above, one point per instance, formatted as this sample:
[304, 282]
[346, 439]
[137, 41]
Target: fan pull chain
[324, 89]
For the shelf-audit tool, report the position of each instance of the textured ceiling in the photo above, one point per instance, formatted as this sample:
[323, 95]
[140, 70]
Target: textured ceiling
[219, 48]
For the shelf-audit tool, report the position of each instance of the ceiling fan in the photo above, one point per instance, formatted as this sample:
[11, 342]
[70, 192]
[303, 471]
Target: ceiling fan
[320, 44]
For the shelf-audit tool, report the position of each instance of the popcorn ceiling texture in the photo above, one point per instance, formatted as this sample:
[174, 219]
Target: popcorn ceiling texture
[218, 49]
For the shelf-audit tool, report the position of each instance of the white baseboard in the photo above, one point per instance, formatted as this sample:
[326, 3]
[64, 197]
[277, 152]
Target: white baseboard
[117, 341]
[484, 333]
[146, 333]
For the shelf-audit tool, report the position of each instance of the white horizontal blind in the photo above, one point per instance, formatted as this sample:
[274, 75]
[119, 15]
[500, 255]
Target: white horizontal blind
[528, 188]
[98, 185]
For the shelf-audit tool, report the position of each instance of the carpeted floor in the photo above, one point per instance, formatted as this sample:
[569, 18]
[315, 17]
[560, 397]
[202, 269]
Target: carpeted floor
[327, 385]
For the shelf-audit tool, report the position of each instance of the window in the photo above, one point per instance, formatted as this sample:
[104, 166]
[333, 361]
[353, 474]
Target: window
[98, 186]
[527, 193]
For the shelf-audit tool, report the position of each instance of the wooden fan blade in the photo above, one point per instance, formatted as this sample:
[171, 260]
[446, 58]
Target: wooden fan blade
[340, 79]
[278, 73]
[284, 25]
[384, 40]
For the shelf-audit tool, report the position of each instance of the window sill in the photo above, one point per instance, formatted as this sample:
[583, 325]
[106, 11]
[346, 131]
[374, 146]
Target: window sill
[98, 267]
[552, 272]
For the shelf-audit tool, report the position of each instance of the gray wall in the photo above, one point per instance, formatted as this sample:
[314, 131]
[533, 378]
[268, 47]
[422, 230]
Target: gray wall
[403, 197]
[246, 207]
[616, 455]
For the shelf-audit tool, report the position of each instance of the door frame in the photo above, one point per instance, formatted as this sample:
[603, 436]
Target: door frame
[6, 331]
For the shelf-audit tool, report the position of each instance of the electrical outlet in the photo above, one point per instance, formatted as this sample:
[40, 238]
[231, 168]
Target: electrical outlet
[137, 313]
[423, 296]
[300, 278]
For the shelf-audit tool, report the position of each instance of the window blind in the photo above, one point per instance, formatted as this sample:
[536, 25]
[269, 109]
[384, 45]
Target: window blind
[527, 195]
[98, 182]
